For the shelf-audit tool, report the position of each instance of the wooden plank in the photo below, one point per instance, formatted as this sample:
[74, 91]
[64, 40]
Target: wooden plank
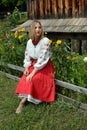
[83, 8]
[42, 11]
[60, 8]
[30, 9]
[70, 8]
[27, 5]
[71, 86]
[48, 8]
[54, 8]
[15, 67]
[10, 76]
[80, 7]
[66, 8]
[74, 10]
[73, 102]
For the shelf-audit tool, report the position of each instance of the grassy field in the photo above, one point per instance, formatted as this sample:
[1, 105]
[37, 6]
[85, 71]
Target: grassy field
[46, 116]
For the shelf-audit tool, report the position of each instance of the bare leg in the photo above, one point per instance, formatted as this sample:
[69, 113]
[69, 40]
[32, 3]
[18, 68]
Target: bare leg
[21, 105]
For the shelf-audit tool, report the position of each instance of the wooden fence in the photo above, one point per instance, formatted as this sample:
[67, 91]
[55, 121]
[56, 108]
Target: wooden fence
[57, 82]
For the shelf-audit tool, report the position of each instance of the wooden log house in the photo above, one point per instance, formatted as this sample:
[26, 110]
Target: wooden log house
[38, 9]
[66, 18]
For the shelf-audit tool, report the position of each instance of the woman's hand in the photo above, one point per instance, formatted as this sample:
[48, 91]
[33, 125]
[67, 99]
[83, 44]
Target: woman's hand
[29, 77]
[26, 72]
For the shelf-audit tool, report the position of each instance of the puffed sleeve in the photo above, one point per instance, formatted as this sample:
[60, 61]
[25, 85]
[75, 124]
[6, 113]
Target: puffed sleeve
[44, 55]
[27, 61]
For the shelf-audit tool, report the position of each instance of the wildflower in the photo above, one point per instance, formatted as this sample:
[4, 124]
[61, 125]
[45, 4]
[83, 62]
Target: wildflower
[45, 32]
[85, 59]
[58, 42]
[16, 34]
[21, 29]
[49, 42]
[20, 36]
[8, 13]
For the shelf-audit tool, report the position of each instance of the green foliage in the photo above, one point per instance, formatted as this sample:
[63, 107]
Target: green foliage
[61, 57]
[13, 18]
[12, 2]
[68, 66]
[14, 47]
[12, 44]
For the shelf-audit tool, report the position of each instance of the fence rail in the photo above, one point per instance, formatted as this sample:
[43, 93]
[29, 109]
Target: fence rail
[57, 82]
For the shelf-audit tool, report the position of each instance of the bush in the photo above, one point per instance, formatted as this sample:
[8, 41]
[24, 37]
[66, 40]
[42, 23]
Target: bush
[14, 47]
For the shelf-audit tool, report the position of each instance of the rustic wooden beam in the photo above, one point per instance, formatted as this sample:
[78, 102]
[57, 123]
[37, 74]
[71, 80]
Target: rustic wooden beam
[60, 8]
[83, 8]
[54, 7]
[11, 66]
[37, 9]
[32, 9]
[72, 101]
[71, 86]
[80, 7]
[48, 8]
[10, 76]
[27, 4]
[66, 8]
[42, 10]
[74, 10]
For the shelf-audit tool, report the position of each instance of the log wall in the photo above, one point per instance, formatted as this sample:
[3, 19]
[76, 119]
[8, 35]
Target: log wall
[38, 9]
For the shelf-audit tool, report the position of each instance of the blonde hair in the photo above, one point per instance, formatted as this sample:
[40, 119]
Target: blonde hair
[32, 29]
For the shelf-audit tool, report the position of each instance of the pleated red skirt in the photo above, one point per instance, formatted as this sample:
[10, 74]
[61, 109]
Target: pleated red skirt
[41, 86]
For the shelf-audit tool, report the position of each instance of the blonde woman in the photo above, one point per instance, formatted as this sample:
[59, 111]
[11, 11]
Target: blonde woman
[37, 83]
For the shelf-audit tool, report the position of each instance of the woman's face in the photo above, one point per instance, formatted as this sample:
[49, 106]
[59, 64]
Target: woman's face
[38, 30]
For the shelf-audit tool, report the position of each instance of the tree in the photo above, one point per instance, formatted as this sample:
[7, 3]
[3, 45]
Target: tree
[8, 5]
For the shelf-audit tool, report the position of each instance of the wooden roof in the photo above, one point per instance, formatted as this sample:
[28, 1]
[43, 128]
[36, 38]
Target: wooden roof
[72, 25]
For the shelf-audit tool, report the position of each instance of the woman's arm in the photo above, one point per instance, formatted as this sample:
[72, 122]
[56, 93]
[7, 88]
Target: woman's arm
[27, 61]
[44, 55]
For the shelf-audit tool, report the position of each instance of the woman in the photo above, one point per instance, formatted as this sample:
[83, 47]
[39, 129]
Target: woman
[37, 83]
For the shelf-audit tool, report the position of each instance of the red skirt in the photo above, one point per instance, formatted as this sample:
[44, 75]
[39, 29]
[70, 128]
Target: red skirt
[41, 86]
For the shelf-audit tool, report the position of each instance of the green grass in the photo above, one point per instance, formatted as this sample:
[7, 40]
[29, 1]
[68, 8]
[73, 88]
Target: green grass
[46, 116]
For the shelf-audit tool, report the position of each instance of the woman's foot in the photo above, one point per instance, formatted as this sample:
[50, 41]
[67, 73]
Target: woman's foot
[21, 105]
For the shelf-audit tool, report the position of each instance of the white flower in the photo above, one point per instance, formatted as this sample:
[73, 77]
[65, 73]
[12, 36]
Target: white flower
[85, 59]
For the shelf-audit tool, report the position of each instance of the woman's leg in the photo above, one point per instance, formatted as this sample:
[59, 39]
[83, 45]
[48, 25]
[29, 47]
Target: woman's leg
[21, 105]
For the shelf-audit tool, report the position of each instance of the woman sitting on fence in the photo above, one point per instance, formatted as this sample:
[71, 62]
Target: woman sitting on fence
[37, 83]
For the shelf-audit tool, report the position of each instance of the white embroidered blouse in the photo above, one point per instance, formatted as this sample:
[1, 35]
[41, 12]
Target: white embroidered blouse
[41, 52]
